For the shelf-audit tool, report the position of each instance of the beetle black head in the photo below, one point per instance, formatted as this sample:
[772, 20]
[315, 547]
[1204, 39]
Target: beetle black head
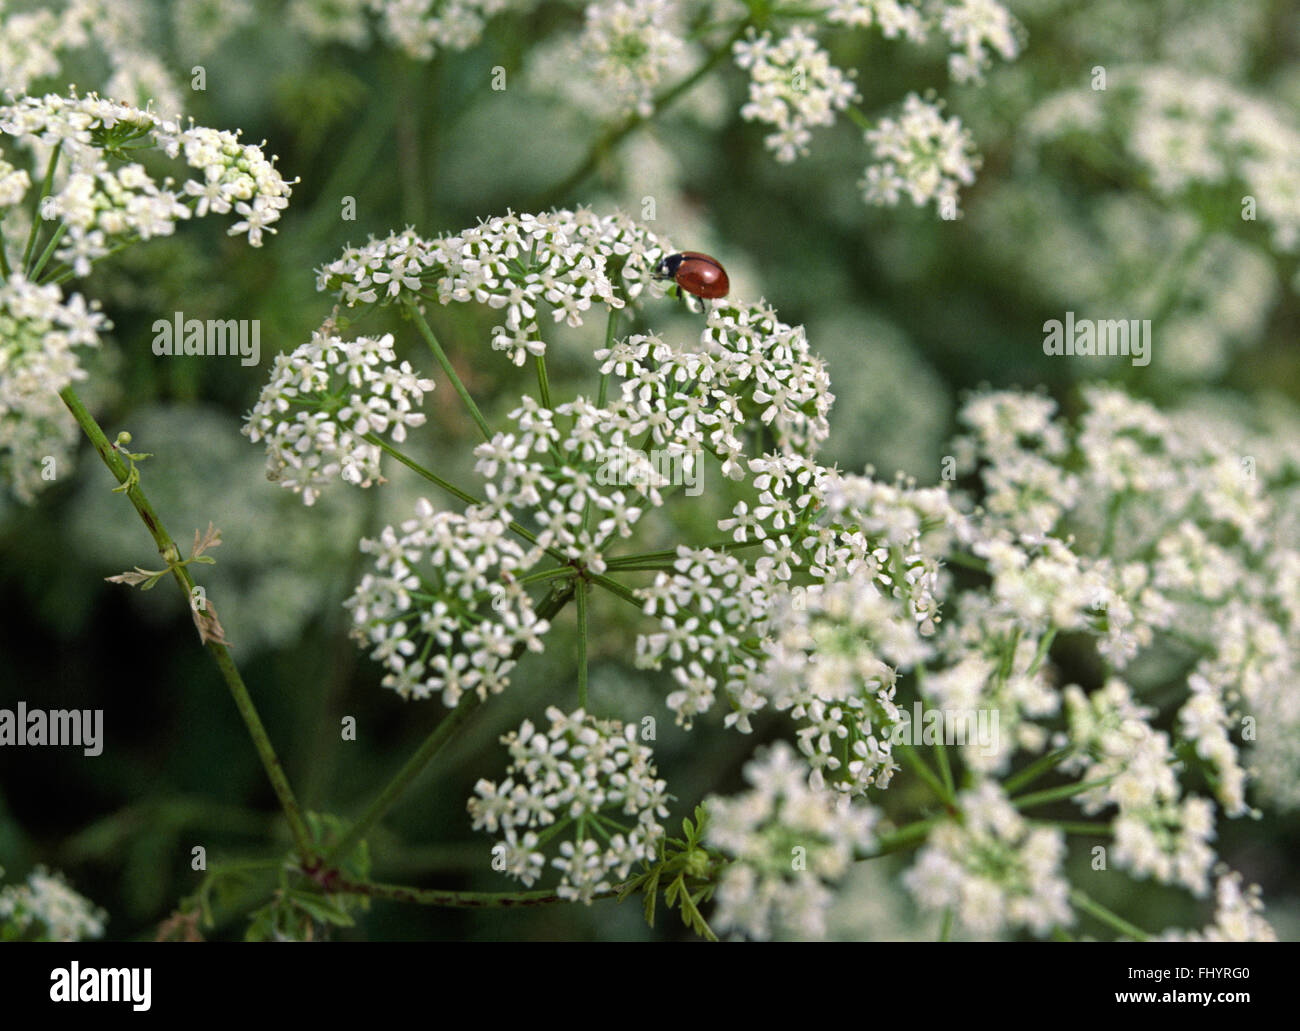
[667, 267]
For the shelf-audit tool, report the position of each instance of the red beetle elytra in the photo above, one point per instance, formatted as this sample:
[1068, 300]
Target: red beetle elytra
[695, 273]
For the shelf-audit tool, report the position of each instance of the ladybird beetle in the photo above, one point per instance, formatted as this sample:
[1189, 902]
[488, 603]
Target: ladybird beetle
[695, 273]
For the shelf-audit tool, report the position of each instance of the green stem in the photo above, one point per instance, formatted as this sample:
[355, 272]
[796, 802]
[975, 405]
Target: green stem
[612, 137]
[611, 330]
[669, 554]
[48, 252]
[62, 273]
[1101, 913]
[543, 383]
[1044, 646]
[547, 574]
[859, 118]
[36, 210]
[945, 770]
[433, 744]
[455, 899]
[453, 490]
[960, 558]
[582, 646]
[910, 756]
[1092, 830]
[399, 783]
[427, 332]
[420, 470]
[907, 836]
[616, 588]
[1035, 770]
[219, 652]
[1057, 794]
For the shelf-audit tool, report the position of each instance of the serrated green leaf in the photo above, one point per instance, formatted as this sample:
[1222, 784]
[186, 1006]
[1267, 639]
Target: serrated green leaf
[321, 908]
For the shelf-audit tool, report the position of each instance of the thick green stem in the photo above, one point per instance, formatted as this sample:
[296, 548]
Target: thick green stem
[219, 652]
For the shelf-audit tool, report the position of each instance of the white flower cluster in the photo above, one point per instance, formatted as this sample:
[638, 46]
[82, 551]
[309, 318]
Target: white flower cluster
[713, 605]
[202, 26]
[1157, 833]
[993, 868]
[788, 841]
[442, 609]
[1237, 915]
[793, 87]
[34, 43]
[321, 403]
[555, 464]
[588, 776]
[331, 21]
[418, 28]
[974, 29]
[1188, 131]
[421, 27]
[919, 155]
[45, 908]
[894, 17]
[627, 51]
[1142, 532]
[1177, 537]
[1170, 533]
[104, 200]
[564, 261]
[40, 331]
[578, 474]
[828, 663]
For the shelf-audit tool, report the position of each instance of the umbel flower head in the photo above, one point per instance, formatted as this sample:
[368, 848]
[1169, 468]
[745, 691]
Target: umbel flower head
[40, 332]
[584, 782]
[564, 261]
[993, 868]
[442, 609]
[788, 842]
[46, 908]
[574, 479]
[104, 196]
[321, 404]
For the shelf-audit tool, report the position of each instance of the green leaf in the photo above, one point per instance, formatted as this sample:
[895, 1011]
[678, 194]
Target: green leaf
[322, 908]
